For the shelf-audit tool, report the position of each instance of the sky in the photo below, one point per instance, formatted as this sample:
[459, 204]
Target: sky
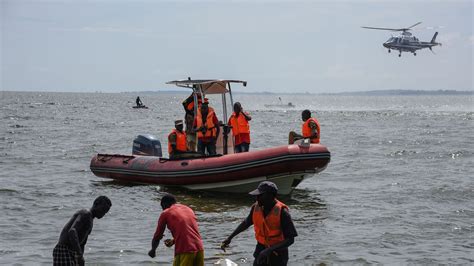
[276, 46]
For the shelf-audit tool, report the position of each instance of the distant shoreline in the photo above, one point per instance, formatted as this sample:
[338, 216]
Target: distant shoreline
[354, 93]
[347, 93]
[402, 92]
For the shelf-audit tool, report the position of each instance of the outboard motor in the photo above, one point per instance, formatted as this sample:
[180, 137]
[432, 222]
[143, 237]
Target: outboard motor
[146, 145]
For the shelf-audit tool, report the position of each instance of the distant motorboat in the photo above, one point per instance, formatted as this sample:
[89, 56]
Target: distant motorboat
[280, 105]
[140, 107]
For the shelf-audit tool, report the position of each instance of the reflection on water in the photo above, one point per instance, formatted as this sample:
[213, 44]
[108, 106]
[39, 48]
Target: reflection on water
[206, 201]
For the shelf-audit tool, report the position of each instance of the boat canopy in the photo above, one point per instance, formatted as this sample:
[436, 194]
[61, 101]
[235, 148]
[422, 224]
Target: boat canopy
[202, 87]
[207, 86]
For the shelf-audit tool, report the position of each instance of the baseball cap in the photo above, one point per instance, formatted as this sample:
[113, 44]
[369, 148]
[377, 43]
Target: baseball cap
[265, 186]
[178, 122]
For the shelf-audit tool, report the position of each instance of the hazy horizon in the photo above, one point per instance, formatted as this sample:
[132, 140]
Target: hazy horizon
[303, 46]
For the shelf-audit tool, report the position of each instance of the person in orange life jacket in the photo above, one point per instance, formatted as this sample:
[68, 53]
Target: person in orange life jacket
[310, 129]
[188, 105]
[177, 140]
[182, 222]
[207, 127]
[274, 228]
[240, 128]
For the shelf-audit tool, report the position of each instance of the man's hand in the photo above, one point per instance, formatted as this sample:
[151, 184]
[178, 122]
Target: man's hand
[225, 244]
[152, 253]
[169, 242]
[262, 257]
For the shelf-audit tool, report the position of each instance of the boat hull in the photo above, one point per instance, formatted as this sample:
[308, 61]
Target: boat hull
[287, 166]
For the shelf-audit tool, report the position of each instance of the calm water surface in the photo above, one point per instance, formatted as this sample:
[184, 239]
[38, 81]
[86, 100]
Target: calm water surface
[399, 188]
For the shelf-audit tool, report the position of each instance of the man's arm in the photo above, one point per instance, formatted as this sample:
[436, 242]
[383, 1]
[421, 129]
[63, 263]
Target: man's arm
[216, 124]
[314, 129]
[187, 101]
[160, 229]
[242, 227]
[154, 246]
[172, 140]
[246, 115]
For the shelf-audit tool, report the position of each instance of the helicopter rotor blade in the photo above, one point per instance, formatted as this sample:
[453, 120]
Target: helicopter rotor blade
[414, 25]
[374, 28]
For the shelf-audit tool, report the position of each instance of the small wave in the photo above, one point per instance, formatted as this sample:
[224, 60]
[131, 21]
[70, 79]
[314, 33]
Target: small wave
[402, 153]
[17, 126]
[8, 191]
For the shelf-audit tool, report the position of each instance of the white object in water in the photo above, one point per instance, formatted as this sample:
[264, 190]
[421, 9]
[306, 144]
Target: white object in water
[225, 262]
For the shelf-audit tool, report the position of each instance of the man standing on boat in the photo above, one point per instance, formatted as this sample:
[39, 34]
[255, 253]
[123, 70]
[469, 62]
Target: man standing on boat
[274, 229]
[207, 127]
[182, 223]
[138, 101]
[177, 140]
[188, 105]
[73, 238]
[310, 129]
[240, 128]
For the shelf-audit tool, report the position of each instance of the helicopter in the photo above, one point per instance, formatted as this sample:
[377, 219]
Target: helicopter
[406, 42]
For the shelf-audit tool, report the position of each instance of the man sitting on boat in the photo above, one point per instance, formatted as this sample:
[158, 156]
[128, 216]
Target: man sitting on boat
[240, 128]
[177, 140]
[310, 129]
[206, 125]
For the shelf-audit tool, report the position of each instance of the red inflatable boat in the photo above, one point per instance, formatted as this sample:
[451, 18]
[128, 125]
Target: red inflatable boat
[286, 165]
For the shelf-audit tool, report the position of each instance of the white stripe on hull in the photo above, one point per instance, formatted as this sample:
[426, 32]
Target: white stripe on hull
[283, 182]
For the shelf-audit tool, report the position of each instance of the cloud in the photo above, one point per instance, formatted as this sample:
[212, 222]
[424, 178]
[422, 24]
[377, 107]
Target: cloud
[89, 29]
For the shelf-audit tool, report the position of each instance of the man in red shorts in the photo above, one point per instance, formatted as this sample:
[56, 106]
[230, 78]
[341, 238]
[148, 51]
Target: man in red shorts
[182, 223]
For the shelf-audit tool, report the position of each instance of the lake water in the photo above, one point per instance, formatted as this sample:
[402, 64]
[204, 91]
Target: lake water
[399, 188]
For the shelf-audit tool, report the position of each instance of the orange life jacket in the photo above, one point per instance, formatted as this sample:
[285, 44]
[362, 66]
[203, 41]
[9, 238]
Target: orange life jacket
[190, 106]
[180, 141]
[306, 130]
[209, 125]
[239, 124]
[268, 229]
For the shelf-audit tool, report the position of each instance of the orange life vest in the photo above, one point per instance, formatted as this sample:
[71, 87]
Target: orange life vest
[190, 106]
[239, 124]
[306, 130]
[268, 229]
[180, 141]
[209, 125]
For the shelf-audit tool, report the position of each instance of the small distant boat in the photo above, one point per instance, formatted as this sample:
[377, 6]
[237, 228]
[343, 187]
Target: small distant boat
[140, 107]
[289, 105]
[280, 105]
